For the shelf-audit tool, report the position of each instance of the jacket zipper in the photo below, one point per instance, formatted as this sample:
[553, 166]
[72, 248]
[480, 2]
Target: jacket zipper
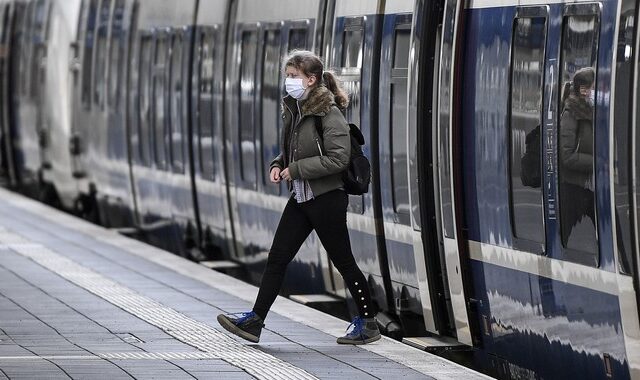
[318, 144]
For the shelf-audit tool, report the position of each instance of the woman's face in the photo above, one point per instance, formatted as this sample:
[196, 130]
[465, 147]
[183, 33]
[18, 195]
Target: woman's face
[292, 72]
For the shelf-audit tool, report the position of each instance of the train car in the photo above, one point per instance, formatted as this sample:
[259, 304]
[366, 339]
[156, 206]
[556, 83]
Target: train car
[541, 246]
[475, 233]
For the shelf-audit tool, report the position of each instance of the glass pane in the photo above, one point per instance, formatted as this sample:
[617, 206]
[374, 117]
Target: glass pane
[161, 138]
[247, 127]
[399, 147]
[177, 131]
[145, 79]
[88, 51]
[401, 49]
[576, 137]
[116, 53]
[39, 46]
[352, 48]
[271, 95]
[206, 107]
[297, 39]
[101, 51]
[526, 112]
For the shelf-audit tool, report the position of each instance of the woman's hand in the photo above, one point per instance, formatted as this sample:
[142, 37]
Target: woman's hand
[275, 175]
[285, 174]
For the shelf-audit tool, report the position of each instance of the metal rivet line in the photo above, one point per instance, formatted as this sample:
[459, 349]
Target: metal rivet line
[197, 334]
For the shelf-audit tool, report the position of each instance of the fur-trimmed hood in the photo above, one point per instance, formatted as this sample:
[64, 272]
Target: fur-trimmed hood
[319, 102]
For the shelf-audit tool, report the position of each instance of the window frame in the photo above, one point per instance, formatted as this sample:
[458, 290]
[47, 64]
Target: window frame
[528, 12]
[399, 76]
[248, 183]
[177, 157]
[144, 139]
[211, 34]
[160, 73]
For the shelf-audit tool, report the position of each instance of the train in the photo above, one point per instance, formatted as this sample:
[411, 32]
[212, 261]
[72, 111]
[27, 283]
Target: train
[159, 118]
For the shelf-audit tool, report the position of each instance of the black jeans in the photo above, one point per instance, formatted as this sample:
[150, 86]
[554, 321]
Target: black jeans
[327, 215]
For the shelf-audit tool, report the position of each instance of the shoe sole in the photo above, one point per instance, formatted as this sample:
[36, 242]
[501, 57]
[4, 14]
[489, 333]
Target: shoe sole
[229, 326]
[356, 342]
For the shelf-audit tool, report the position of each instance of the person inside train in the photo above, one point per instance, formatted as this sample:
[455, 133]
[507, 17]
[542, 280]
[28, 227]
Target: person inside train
[576, 156]
[312, 165]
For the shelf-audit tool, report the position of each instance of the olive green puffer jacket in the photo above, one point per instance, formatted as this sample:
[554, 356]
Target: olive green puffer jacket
[319, 160]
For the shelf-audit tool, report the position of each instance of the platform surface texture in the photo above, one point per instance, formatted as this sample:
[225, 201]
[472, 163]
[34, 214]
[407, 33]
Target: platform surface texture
[83, 302]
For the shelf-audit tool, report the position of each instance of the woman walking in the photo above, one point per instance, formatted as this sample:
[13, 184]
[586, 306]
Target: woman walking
[312, 165]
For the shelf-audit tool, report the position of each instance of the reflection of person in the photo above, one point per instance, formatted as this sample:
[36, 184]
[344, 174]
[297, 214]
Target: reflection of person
[312, 165]
[576, 152]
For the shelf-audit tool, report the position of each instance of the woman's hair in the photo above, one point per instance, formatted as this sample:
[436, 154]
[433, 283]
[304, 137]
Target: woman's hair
[582, 78]
[310, 64]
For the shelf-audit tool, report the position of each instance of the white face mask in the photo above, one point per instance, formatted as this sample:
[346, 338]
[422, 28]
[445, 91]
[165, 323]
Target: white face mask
[294, 87]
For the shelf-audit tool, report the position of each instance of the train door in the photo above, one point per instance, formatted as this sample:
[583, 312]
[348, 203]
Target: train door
[447, 176]
[398, 158]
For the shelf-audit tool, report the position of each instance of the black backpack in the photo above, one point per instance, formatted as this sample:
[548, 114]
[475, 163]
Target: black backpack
[530, 161]
[358, 175]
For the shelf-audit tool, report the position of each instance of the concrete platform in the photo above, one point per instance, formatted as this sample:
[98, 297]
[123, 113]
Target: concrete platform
[83, 302]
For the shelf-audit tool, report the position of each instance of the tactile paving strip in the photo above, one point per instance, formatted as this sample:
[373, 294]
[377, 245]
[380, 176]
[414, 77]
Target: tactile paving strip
[192, 332]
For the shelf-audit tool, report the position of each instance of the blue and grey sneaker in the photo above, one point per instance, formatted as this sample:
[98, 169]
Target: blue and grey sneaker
[245, 325]
[365, 330]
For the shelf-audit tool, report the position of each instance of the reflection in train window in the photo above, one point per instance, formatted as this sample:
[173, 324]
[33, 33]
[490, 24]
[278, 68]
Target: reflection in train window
[160, 137]
[271, 97]
[116, 54]
[205, 105]
[176, 128]
[576, 138]
[88, 53]
[144, 131]
[527, 70]
[101, 52]
[398, 135]
[247, 126]
[297, 39]
[623, 148]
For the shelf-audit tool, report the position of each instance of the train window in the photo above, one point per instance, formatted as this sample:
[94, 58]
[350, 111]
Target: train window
[101, 52]
[144, 75]
[177, 104]
[398, 131]
[271, 95]
[116, 54]
[350, 59]
[527, 71]
[623, 145]
[205, 105]
[352, 48]
[25, 46]
[39, 47]
[576, 172]
[247, 126]
[160, 135]
[87, 55]
[297, 39]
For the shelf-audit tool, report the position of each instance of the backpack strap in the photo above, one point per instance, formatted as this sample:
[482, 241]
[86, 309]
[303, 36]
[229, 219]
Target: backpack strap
[318, 123]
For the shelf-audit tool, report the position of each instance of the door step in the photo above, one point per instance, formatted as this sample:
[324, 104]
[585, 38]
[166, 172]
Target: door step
[220, 265]
[324, 302]
[435, 344]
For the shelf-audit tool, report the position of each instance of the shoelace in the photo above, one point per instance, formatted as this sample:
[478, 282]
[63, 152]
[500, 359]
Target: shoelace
[358, 325]
[244, 316]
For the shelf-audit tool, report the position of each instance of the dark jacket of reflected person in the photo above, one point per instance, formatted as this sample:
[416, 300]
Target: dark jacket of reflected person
[576, 161]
